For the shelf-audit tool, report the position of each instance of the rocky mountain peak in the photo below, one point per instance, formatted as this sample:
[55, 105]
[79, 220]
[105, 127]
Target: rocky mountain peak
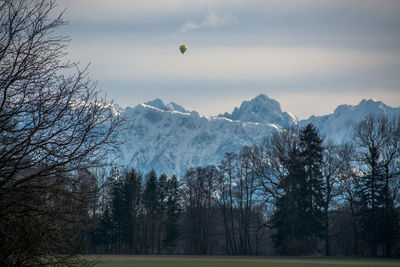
[261, 109]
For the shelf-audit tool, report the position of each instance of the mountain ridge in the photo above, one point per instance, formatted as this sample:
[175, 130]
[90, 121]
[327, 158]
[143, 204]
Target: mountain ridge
[338, 126]
[259, 108]
[170, 139]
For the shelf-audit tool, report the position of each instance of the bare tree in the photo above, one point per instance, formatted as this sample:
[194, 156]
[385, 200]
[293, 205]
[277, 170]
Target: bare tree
[335, 165]
[199, 203]
[272, 157]
[391, 166]
[378, 156]
[226, 201]
[53, 126]
[238, 202]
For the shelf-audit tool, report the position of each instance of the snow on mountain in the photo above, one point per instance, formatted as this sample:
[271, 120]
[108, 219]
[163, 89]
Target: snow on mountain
[170, 139]
[158, 103]
[262, 109]
[338, 127]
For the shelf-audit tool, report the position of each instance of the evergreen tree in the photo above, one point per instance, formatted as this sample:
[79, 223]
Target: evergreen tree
[173, 212]
[150, 200]
[297, 218]
[312, 186]
[161, 209]
[131, 191]
[289, 213]
[118, 209]
[104, 232]
[119, 220]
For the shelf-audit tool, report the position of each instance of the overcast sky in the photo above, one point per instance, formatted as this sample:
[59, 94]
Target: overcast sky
[310, 55]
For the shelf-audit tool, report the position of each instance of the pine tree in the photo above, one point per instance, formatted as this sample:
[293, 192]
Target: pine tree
[289, 207]
[161, 209]
[150, 200]
[131, 191]
[118, 213]
[297, 218]
[104, 233]
[173, 212]
[312, 194]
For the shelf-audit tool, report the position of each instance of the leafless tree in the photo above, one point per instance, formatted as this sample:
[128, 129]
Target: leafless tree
[199, 202]
[237, 191]
[53, 128]
[271, 158]
[378, 159]
[336, 165]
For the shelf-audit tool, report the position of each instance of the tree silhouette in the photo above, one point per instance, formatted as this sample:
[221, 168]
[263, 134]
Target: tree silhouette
[52, 127]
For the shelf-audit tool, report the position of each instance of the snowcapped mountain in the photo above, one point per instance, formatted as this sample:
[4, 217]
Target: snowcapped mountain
[170, 139]
[262, 109]
[158, 103]
[338, 127]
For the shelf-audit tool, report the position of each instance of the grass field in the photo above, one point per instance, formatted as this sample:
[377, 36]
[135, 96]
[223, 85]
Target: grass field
[224, 261]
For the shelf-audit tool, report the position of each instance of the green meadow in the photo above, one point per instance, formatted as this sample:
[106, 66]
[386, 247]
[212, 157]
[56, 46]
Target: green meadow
[225, 261]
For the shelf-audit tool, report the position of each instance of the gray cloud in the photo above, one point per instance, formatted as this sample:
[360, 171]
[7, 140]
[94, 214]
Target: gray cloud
[213, 20]
[238, 49]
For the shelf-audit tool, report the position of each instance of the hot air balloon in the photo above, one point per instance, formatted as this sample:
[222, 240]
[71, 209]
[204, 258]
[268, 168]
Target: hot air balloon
[183, 48]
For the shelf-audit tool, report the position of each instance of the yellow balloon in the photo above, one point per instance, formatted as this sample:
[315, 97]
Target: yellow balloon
[183, 48]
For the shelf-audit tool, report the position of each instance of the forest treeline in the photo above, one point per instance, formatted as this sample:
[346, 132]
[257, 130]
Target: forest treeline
[290, 194]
